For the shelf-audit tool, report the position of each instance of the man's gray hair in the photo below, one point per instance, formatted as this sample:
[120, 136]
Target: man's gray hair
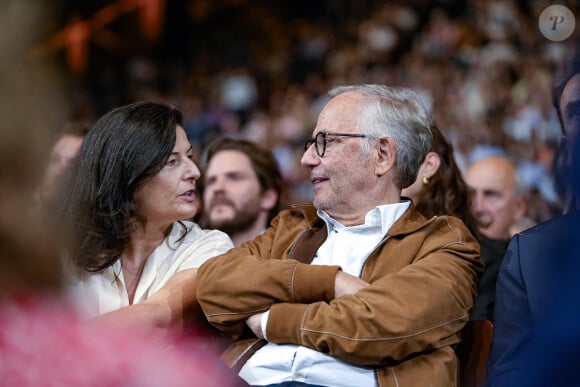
[397, 113]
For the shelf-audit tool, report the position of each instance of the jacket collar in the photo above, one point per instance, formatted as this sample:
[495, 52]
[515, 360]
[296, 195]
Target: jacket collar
[410, 222]
[310, 214]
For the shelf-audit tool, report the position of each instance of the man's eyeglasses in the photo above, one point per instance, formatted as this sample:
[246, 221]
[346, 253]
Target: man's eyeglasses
[320, 141]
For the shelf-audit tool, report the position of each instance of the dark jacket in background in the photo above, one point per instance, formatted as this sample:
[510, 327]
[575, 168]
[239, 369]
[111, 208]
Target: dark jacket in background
[536, 338]
[492, 252]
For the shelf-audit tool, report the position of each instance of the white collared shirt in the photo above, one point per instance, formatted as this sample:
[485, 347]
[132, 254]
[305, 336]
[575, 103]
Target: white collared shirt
[349, 248]
[104, 291]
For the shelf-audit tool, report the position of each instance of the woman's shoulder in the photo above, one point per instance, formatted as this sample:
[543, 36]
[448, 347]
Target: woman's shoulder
[186, 233]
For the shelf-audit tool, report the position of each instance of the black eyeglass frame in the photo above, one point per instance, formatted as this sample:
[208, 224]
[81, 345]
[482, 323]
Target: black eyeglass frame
[320, 140]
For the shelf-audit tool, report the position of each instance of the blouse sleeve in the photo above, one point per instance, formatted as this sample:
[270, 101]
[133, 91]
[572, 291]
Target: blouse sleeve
[210, 244]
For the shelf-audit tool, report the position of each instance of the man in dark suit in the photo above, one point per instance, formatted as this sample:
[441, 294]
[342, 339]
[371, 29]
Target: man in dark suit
[536, 338]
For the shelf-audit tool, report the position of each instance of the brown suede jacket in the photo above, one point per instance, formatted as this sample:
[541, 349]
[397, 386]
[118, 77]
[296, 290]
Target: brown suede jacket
[422, 275]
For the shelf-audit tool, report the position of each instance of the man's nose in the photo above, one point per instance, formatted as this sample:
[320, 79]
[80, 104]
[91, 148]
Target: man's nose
[217, 185]
[477, 204]
[310, 158]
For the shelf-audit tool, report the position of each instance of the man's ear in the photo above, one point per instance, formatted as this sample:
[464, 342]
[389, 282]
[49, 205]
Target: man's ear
[430, 165]
[386, 155]
[269, 199]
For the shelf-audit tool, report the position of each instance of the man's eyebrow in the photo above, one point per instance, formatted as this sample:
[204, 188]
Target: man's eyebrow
[571, 107]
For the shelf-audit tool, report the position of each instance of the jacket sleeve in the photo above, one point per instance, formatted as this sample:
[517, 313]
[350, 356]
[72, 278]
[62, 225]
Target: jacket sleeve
[512, 320]
[248, 279]
[417, 309]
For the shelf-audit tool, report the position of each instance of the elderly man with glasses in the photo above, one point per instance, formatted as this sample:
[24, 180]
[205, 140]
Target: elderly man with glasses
[357, 289]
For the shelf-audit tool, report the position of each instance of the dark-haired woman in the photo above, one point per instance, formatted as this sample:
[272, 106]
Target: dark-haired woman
[439, 188]
[130, 193]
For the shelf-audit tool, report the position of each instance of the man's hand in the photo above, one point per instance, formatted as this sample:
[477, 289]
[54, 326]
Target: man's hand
[255, 324]
[347, 284]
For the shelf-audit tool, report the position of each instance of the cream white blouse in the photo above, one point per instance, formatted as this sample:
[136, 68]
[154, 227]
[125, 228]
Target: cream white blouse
[104, 291]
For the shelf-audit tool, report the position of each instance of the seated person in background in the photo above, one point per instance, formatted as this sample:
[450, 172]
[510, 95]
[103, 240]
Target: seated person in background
[536, 340]
[42, 340]
[241, 187]
[496, 204]
[63, 152]
[439, 188]
[358, 289]
[126, 200]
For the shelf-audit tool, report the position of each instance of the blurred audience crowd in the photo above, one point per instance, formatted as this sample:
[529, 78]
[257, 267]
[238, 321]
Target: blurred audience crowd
[482, 66]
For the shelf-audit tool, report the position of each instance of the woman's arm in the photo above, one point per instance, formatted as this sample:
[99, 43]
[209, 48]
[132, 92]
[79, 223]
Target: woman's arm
[169, 308]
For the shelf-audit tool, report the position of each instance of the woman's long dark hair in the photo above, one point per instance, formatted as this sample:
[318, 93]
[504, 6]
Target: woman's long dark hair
[447, 193]
[125, 148]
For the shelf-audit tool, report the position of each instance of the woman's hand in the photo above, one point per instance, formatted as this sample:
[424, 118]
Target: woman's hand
[170, 307]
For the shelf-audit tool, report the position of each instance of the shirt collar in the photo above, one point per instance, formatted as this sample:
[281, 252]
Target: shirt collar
[383, 216]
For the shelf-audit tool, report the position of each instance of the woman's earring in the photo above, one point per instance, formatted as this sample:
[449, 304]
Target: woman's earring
[425, 180]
